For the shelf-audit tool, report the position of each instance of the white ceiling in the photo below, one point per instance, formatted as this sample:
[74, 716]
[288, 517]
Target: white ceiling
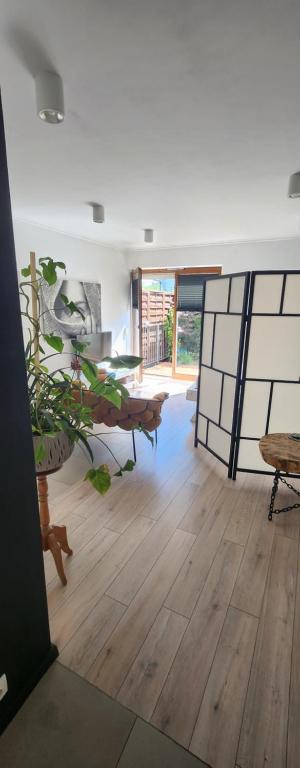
[181, 115]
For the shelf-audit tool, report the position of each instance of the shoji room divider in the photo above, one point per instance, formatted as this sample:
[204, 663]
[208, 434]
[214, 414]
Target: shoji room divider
[249, 365]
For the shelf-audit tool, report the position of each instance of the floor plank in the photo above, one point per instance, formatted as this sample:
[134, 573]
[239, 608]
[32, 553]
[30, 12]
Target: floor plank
[287, 523]
[79, 566]
[156, 506]
[294, 708]
[74, 611]
[191, 578]
[248, 499]
[90, 637]
[179, 703]
[144, 682]
[113, 663]
[71, 500]
[127, 584]
[250, 585]
[116, 606]
[264, 730]
[209, 489]
[216, 733]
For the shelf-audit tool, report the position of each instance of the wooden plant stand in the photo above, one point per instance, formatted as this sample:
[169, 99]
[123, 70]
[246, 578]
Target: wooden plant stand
[54, 537]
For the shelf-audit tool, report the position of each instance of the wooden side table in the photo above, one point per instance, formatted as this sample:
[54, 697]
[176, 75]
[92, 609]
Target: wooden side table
[54, 537]
[282, 452]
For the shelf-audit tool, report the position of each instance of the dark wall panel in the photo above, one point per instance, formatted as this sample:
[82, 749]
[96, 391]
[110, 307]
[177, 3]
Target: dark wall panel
[25, 649]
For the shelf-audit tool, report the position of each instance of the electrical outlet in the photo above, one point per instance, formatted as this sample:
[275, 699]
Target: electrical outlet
[3, 686]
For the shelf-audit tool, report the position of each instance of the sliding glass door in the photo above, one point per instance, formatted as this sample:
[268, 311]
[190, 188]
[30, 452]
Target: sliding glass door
[187, 324]
[171, 315]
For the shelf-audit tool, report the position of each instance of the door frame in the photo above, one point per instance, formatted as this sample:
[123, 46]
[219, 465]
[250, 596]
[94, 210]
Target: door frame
[136, 321]
[176, 271]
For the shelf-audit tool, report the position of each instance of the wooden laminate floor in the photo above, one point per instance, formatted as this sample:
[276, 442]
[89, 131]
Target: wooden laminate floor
[183, 601]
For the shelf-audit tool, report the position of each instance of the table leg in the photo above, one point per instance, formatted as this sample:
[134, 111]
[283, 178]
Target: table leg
[273, 493]
[54, 537]
[133, 446]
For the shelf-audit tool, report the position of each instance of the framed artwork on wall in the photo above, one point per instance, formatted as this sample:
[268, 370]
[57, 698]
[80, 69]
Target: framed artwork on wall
[57, 318]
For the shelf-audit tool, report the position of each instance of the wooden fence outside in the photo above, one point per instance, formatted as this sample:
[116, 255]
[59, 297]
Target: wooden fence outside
[154, 344]
[155, 306]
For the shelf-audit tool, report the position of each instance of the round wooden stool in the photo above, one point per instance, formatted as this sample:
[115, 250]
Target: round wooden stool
[282, 452]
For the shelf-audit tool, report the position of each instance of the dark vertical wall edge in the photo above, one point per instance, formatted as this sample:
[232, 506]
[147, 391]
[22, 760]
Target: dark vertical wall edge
[25, 648]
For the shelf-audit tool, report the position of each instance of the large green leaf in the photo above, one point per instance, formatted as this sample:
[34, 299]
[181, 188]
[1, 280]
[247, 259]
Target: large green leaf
[123, 391]
[49, 273]
[79, 346]
[123, 361]
[112, 394]
[49, 269]
[26, 271]
[48, 259]
[107, 390]
[71, 305]
[89, 370]
[54, 341]
[128, 467]
[60, 264]
[100, 478]
[81, 437]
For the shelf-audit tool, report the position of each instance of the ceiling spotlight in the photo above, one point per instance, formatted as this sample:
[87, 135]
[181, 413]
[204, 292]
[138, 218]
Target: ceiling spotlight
[294, 185]
[148, 235]
[49, 97]
[98, 213]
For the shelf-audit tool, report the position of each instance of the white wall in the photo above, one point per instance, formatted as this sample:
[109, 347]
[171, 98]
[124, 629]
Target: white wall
[233, 257]
[85, 261]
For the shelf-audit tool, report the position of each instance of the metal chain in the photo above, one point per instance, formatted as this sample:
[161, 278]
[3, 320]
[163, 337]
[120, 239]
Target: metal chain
[291, 487]
[273, 494]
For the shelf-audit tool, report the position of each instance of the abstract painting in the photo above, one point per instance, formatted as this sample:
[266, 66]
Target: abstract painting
[58, 319]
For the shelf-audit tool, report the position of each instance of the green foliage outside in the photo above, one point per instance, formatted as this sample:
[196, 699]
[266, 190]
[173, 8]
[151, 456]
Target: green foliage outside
[188, 336]
[168, 326]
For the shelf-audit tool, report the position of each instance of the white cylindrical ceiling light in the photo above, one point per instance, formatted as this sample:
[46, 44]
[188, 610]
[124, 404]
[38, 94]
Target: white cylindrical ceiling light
[49, 97]
[294, 185]
[148, 235]
[98, 213]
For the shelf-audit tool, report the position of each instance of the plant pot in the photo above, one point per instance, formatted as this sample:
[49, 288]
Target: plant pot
[57, 450]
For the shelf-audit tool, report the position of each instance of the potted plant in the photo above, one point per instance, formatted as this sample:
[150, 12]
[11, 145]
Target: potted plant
[59, 418]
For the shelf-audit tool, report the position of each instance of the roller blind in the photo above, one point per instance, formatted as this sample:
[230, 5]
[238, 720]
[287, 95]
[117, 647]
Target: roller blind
[135, 293]
[190, 293]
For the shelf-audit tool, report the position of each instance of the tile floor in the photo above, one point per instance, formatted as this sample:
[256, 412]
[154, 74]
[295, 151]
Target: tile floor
[68, 723]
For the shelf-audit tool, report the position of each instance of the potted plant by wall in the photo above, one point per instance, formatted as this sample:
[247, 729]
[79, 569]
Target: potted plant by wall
[59, 418]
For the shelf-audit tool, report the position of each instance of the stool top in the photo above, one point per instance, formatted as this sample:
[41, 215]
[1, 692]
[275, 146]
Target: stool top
[279, 450]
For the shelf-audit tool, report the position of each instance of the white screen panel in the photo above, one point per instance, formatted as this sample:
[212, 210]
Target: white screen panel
[207, 338]
[255, 408]
[216, 295]
[219, 442]
[291, 304]
[237, 294]
[227, 339]
[210, 393]
[202, 425]
[285, 410]
[274, 348]
[250, 458]
[267, 293]
[228, 402]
